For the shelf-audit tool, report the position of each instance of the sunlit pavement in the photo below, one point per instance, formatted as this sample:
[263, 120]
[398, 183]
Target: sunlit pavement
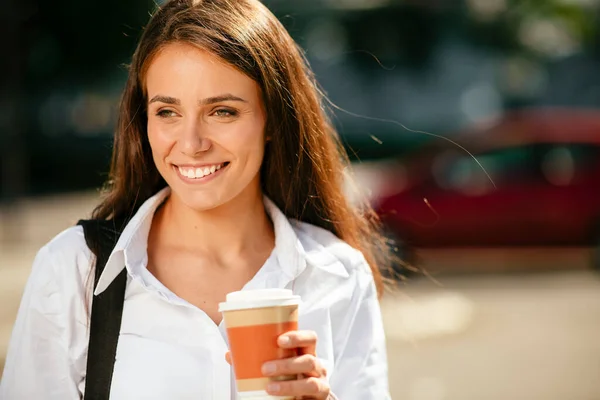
[532, 336]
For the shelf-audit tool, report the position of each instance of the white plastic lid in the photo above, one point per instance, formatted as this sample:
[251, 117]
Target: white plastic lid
[259, 298]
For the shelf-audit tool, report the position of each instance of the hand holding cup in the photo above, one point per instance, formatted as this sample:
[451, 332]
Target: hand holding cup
[311, 382]
[255, 320]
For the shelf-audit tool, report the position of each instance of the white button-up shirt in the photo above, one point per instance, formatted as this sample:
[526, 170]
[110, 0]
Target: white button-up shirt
[170, 349]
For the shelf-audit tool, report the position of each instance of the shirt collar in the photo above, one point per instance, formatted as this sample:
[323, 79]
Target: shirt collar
[133, 242]
[288, 248]
[131, 248]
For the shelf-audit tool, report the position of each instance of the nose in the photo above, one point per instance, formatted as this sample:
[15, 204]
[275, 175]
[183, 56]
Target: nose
[194, 141]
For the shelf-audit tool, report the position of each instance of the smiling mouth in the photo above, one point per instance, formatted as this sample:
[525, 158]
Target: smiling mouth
[201, 172]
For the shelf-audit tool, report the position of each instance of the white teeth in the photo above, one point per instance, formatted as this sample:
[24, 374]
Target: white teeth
[196, 173]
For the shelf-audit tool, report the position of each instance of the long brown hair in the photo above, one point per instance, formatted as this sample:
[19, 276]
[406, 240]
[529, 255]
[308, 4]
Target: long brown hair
[303, 170]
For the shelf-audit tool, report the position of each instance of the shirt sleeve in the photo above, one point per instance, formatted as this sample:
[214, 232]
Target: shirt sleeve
[361, 371]
[38, 364]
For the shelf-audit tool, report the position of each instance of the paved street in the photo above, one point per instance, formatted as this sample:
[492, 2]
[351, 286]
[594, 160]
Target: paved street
[517, 336]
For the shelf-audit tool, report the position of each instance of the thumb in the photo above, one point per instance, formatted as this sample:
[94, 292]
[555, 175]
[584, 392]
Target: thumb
[228, 357]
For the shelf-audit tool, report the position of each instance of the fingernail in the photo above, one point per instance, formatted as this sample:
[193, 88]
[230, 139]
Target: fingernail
[273, 387]
[269, 368]
[284, 340]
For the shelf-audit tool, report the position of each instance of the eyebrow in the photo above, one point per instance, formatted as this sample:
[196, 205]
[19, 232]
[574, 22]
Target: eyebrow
[220, 98]
[207, 101]
[164, 99]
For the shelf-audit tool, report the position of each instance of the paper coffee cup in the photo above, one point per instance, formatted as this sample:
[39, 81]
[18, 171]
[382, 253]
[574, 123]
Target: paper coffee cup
[254, 320]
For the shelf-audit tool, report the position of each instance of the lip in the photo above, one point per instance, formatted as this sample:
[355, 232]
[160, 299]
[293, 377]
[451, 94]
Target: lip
[204, 179]
[199, 165]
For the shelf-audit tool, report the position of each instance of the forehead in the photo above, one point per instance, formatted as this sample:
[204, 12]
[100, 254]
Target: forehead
[186, 68]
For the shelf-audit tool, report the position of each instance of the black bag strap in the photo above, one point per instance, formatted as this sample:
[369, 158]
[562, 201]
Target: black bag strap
[107, 309]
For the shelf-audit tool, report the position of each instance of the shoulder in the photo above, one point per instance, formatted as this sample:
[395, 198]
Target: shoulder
[57, 290]
[336, 286]
[63, 263]
[325, 249]
[68, 247]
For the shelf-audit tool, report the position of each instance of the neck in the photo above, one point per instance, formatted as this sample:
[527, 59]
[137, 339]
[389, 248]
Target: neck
[230, 230]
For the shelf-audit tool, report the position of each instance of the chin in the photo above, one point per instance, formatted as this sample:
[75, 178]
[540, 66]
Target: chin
[215, 194]
[202, 201]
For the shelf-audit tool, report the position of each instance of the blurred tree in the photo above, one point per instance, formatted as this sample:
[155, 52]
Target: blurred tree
[13, 153]
[76, 40]
[539, 28]
[58, 47]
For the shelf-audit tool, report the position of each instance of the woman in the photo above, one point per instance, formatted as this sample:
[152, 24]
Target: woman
[230, 176]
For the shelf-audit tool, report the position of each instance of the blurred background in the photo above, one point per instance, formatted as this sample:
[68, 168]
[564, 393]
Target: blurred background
[474, 130]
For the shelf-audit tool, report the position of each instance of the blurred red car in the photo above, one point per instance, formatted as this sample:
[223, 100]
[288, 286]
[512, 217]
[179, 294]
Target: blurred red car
[545, 169]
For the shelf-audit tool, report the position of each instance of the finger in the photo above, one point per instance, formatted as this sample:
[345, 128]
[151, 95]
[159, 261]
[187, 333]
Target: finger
[305, 340]
[228, 357]
[307, 365]
[311, 387]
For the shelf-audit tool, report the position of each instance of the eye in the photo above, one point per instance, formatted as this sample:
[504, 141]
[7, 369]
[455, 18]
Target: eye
[166, 114]
[225, 113]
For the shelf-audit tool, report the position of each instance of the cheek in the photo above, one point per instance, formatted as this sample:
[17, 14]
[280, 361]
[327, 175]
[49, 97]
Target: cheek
[255, 134]
[252, 145]
[160, 141]
[244, 140]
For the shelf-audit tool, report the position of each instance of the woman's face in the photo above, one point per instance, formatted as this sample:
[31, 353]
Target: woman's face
[206, 124]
